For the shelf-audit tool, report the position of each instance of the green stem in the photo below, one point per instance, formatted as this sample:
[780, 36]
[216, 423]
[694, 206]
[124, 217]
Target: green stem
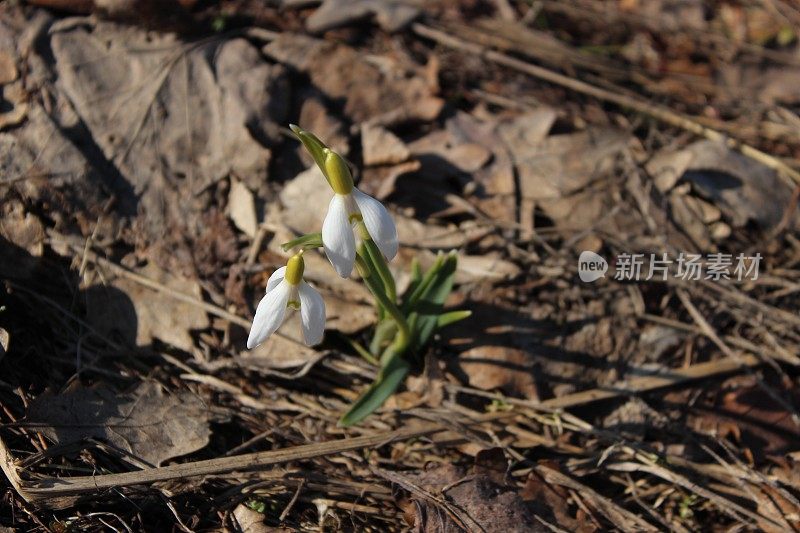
[382, 267]
[360, 350]
[403, 336]
[384, 332]
[366, 268]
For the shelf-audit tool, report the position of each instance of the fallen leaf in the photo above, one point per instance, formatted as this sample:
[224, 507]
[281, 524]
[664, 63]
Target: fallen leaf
[486, 267]
[527, 130]
[685, 215]
[743, 189]
[8, 68]
[242, 208]
[315, 117]
[633, 419]
[483, 501]
[667, 166]
[753, 418]
[250, 521]
[305, 201]
[146, 422]
[442, 155]
[770, 86]
[496, 179]
[391, 15]
[25, 236]
[171, 118]
[5, 338]
[136, 314]
[380, 182]
[416, 234]
[560, 165]
[56, 173]
[499, 368]
[367, 92]
[552, 503]
[382, 147]
[281, 351]
[13, 96]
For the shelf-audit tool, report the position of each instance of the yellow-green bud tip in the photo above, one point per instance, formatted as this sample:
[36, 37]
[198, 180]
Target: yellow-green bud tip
[338, 174]
[294, 269]
[295, 128]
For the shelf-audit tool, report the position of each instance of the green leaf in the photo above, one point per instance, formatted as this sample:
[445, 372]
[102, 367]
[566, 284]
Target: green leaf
[415, 291]
[384, 332]
[389, 378]
[382, 269]
[428, 306]
[310, 240]
[445, 319]
[314, 146]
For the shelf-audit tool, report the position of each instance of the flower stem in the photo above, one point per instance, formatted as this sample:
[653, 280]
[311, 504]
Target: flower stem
[382, 267]
[403, 337]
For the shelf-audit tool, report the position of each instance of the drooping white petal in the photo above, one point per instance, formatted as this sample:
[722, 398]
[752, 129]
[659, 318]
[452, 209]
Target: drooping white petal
[337, 236]
[379, 223]
[270, 313]
[276, 278]
[312, 314]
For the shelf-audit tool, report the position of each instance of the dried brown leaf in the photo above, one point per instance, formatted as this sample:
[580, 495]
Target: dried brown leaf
[137, 314]
[8, 67]
[369, 92]
[391, 15]
[499, 368]
[482, 501]
[146, 422]
[249, 521]
[173, 119]
[242, 208]
[21, 240]
[382, 147]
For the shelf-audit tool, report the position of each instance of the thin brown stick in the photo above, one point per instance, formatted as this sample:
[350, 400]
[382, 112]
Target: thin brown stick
[59, 492]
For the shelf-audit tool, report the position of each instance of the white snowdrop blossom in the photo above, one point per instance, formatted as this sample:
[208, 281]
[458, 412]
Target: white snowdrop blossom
[287, 289]
[347, 209]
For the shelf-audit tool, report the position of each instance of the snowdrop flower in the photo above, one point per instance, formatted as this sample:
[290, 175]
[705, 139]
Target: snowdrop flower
[285, 289]
[348, 207]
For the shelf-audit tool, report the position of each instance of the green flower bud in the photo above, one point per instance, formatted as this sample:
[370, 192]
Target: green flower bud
[337, 172]
[294, 269]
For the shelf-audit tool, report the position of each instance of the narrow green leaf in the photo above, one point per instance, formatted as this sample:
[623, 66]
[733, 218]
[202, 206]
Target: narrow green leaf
[430, 302]
[310, 240]
[379, 262]
[412, 296]
[389, 378]
[445, 319]
[384, 332]
[360, 350]
[314, 146]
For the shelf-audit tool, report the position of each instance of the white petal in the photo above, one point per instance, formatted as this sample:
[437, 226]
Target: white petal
[337, 236]
[379, 223]
[270, 313]
[312, 314]
[276, 278]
